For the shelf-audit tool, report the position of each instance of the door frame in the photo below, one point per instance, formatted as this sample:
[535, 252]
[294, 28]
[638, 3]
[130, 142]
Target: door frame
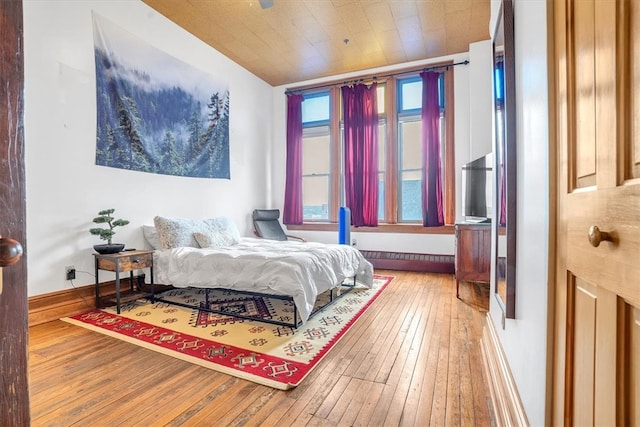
[14, 392]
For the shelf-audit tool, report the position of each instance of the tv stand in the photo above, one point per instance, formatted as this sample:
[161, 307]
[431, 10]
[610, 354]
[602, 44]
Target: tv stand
[473, 253]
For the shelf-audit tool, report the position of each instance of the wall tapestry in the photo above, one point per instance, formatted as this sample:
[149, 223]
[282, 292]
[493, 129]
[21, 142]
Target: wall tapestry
[155, 113]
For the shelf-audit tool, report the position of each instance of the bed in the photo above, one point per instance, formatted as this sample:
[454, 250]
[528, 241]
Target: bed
[210, 254]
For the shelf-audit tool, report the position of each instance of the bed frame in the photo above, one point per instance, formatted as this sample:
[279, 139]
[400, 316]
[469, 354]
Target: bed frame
[334, 295]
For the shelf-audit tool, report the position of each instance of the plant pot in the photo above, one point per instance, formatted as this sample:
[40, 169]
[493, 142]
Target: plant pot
[113, 248]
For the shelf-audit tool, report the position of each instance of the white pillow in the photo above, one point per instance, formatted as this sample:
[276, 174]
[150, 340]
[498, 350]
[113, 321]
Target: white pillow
[178, 232]
[226, 231]
[150, 233]
[207, 240]
[223, 232]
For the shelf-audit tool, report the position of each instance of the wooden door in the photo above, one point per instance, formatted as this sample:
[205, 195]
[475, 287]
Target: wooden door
[597, 293]
[14, 396]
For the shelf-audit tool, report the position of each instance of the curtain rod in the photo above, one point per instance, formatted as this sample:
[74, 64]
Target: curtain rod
[374, 78]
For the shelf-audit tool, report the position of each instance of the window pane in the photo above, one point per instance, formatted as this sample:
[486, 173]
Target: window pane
[315, 197]
[315, 108]
[380, 98]
[410, 95]
[381, 198]
[443, 146]
[316, 155]
[410, 169]
[382, 163]
[411, 194]
[316, 168]
[382, 147]
[410, 144]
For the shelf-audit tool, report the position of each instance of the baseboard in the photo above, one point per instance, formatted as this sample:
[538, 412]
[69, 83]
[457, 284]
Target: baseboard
[507, 406]
[411, 261]
[52, 306]
[47, 307]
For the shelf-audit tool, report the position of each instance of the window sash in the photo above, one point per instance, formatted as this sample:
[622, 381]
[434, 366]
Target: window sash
[311, 190]
[409, 151]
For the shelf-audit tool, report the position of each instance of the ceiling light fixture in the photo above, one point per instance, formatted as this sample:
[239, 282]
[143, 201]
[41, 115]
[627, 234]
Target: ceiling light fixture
[266, 4]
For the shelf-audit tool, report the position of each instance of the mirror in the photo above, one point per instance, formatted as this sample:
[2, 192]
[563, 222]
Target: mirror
[505, 160]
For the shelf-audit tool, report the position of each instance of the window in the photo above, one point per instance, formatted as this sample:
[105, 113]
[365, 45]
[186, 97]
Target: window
[410, 146]
[316, 158]
[400, 151]
[382, 144]
[409, 149]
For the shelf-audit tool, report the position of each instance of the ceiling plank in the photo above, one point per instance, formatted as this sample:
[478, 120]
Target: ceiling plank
[299, 40]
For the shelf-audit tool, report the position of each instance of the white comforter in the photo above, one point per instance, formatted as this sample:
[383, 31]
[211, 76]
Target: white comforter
[300, 270]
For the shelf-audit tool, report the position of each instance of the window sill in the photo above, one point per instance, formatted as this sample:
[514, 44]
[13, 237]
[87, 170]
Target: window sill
[381, 228]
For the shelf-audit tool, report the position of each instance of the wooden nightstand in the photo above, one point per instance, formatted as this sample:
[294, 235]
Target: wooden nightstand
[121, 263]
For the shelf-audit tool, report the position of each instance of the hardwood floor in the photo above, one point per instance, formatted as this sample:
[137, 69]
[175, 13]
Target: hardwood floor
[412, 359]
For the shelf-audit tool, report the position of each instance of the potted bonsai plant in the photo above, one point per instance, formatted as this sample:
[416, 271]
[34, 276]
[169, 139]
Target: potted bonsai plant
[106, 217]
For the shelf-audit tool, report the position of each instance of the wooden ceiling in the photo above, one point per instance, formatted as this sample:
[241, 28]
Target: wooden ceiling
[297, 40]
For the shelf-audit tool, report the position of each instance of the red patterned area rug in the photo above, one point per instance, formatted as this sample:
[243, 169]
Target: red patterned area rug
[276, 356]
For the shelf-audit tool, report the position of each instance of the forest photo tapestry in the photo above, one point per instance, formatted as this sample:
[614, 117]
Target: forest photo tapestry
[155, 113]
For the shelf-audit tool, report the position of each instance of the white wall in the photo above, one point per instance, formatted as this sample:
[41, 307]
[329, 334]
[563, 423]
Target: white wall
[524, 338]
[464, 79]
[65, 189]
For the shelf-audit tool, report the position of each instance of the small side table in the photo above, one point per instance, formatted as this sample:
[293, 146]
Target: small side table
[122, 262]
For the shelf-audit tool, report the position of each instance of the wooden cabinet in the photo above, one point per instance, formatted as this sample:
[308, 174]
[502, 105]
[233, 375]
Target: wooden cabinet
[473, 253]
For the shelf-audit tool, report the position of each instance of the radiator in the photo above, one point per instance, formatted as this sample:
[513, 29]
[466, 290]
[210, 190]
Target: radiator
[411, 261]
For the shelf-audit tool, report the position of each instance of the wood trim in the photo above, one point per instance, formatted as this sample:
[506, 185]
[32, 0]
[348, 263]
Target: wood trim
[52, 306]
[14, 357]
[381, 228]
[47, 307]
[552, 211]
[510, 153]
[507, 406]
[391, 146]
[449, 189]
[336, 157]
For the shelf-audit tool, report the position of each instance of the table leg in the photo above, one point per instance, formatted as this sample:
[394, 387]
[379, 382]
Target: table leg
[152, 287]
[97, 286]
[118, 290]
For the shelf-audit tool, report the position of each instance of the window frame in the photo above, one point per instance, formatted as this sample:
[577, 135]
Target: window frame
[391, 223]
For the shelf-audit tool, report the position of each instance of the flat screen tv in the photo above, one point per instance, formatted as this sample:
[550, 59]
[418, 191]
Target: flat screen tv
[477, 189]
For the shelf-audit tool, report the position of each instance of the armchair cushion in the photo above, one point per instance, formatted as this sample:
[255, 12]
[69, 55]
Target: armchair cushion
[266, 224]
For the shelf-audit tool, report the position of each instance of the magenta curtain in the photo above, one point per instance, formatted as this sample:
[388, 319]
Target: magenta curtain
[360, 114]
[432, 212]
[292, 212]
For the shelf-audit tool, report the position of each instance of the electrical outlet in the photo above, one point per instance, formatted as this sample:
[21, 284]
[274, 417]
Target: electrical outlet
[70, 272]
[354, 242]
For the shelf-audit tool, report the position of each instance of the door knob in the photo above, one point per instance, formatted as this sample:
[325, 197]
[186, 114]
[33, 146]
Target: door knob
[10, 253]
[596, 236]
